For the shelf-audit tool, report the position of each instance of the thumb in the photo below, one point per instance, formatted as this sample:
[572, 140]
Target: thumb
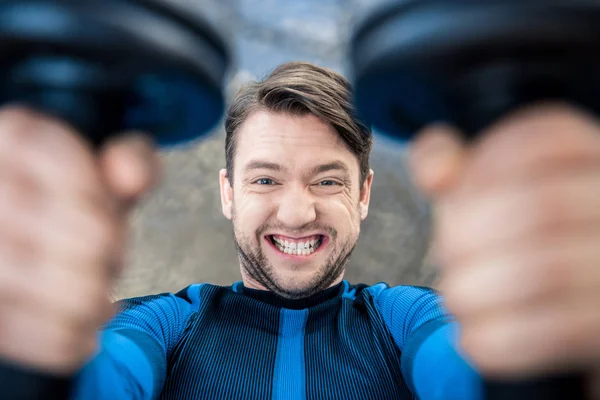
[131, 167]
[436, 159]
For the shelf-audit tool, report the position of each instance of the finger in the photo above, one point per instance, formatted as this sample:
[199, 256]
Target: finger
[23, 128]
[508, 278]
[43, 288]
[93, 306]
[436, 159]
[472, 224]
[35, 339]
[542, 338]
[130, 165]
[65, 230]
[45, 147]
[535, 141]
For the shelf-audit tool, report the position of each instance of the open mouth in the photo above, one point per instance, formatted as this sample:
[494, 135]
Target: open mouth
[298, 247]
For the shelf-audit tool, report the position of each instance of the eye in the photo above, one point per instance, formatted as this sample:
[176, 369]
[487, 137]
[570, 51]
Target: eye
[264, 181]
[328, 182]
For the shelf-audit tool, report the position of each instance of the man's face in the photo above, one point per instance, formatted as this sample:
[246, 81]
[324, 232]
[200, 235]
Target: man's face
[295, 203]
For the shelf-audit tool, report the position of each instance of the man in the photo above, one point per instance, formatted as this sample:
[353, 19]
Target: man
[516, 231]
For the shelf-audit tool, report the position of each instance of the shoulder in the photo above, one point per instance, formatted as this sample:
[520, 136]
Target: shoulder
[167, 306]
[405, 308]
[383, 293]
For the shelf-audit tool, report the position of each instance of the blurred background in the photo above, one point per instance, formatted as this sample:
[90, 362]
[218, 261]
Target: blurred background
[179, 235]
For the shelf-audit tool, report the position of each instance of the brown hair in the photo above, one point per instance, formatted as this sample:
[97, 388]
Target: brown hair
[300, 88]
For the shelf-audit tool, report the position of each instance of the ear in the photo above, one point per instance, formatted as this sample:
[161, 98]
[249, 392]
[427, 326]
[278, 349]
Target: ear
[226, 193]
[365, 196]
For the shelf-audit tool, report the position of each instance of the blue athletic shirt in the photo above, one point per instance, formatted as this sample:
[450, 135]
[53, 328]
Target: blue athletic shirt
[216, 342]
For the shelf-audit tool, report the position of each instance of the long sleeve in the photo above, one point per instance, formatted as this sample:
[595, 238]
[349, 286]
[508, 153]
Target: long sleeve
[426, 335]
[132, 359]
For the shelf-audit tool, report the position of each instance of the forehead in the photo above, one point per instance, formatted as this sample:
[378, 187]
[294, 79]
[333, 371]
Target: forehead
[293, 141]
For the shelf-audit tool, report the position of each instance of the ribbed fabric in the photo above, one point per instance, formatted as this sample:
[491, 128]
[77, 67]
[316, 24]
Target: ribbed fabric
[294, 304]
[162, 316]
[123, 370]
[349, 353]
[415, 378]
[228, 352]
[431, 353]
[423, 331]
[289, 382]
[406, 308]
[211, 342]
[156, 324]
[132, 363]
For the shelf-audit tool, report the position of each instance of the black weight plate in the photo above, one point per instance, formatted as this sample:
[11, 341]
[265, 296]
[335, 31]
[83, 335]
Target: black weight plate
[467, 62]
[161, 68]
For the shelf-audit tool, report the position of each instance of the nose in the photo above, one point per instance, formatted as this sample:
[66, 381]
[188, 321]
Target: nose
[297, 208]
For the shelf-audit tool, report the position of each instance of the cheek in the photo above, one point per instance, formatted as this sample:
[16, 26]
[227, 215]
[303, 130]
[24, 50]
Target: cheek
[252, 212]
[342, 214]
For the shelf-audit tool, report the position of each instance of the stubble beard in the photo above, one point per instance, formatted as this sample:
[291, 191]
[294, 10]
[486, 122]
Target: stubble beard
[256, 266]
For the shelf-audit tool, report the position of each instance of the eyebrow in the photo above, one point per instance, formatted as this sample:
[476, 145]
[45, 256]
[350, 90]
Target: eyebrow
[332, 166]
[319, 169]
[252, 165]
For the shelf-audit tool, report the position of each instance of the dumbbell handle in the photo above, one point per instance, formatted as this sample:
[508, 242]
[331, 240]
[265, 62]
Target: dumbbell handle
[557, 387]
[20, 383]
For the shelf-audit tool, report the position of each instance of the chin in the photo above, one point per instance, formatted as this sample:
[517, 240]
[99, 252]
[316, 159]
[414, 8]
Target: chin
[299, 282]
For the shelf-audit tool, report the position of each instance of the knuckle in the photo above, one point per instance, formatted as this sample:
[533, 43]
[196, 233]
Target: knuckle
[20, 250]
[552, 273]
[75, 167]
[16, 123]
[15, 282]
[23, 191]
[23, 129]
[553, 210]
[559, 119]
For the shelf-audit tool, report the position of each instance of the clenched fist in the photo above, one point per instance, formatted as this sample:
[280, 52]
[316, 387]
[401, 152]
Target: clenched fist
[517, 233]
[63, 209]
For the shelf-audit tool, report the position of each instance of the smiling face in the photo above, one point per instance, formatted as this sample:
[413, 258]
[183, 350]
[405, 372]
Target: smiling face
[296, 203]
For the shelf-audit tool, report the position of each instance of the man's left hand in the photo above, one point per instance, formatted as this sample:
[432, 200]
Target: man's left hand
[517, 234]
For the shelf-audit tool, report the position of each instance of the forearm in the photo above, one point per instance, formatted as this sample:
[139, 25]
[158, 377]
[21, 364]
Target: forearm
[132, 360]
[120, 371]
[435, 370]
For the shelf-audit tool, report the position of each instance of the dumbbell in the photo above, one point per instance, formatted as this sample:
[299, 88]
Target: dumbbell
[106, 66]
[468, 63]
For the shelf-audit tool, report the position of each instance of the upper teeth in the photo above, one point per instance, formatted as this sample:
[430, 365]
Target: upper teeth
[294, 247]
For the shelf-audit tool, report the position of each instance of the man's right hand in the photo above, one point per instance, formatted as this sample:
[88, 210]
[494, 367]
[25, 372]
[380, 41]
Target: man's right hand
[63, 209]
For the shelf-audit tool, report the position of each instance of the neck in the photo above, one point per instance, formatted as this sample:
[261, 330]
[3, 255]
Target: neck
[276, 300]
